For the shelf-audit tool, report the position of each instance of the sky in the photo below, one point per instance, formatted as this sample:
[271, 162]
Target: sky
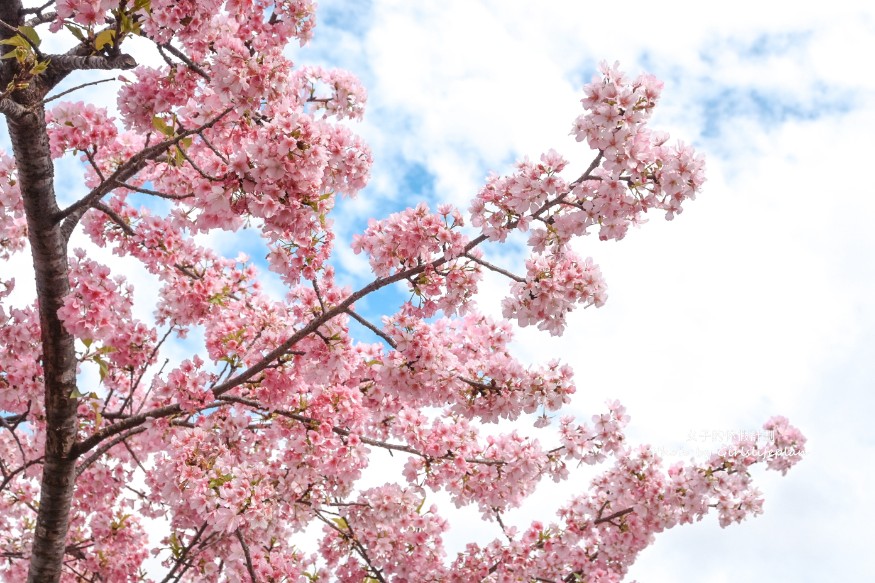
[756, 301]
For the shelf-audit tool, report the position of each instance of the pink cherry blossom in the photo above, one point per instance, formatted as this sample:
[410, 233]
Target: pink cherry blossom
[233, 420]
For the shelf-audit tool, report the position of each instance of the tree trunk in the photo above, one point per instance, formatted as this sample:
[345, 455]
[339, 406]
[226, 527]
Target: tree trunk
[30, 145]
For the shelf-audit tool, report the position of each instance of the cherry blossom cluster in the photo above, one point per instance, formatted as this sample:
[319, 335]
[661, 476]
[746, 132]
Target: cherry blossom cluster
[554, 283]
[787, 445]
[465, 364]
[20, 367]
[417, 238]
[591, 444]
[79, 127]
[242, 445]
[99, 309]
[155, 92]
[507, 203]
[654, 175]
[634, 171]
[84, 12]
[13, 226]
[600, 534]
[346, 95]
[411, 238]
[382, 532]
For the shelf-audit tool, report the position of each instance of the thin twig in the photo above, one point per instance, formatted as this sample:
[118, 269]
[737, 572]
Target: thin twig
[153, 192]
[97, 453]
[386, 338]
[221, 156]
[71, 215]
[115, 218]
[71, 90]
[247, 556]
[184, 58]
[311, 422]
[495, 268]
[185, 550]
[197, 168]
[15, 30]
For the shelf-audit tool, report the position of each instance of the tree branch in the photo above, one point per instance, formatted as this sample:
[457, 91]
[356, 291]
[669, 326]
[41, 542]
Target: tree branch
[78, 87]
[83, 465]
[388, 340]
[71, 215]
[182, 57]
[13, 109]
[154, 192]
[115, 218]
[495, 268]
[74, 62]
[247, 556]
[311, 422]
[184, 554]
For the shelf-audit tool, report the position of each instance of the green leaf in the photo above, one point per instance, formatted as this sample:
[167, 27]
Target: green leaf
[16, 41]
[75, 394]
[40, 67]
[219, 480]
[31, 34]
[175, 546]
[104, 38]
[119, 523]
[103, 365]
[76, 31]
[161, 125]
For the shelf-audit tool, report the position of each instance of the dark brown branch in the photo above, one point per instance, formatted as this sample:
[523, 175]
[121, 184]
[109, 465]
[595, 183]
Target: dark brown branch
[73, 62]
[8, 477]
[388, 340]
[30, 146]
[78, 87]
[592, 166]
[11, 423]
[357, 546]
[14, 31]
[221, 156]
[285, 347]
[247, 556]
[38, 9]
[13, 109]
[495, 268]
[115, 218]
[184, 58]
[83, 465]
[197, 168]
[90, 156]
[185, 551]
[311, 422]
[153, 192]
[40, 18]
[127, 423]
[71, 215]
[609, 518]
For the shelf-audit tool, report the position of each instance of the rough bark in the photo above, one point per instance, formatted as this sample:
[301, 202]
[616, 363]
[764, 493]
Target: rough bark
[36, 174]
[30, 145]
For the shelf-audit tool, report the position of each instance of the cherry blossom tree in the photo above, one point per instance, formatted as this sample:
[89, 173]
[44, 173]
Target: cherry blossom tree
[265, 430]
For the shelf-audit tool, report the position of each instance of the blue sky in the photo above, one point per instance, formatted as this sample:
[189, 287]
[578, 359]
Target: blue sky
[756, 301]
